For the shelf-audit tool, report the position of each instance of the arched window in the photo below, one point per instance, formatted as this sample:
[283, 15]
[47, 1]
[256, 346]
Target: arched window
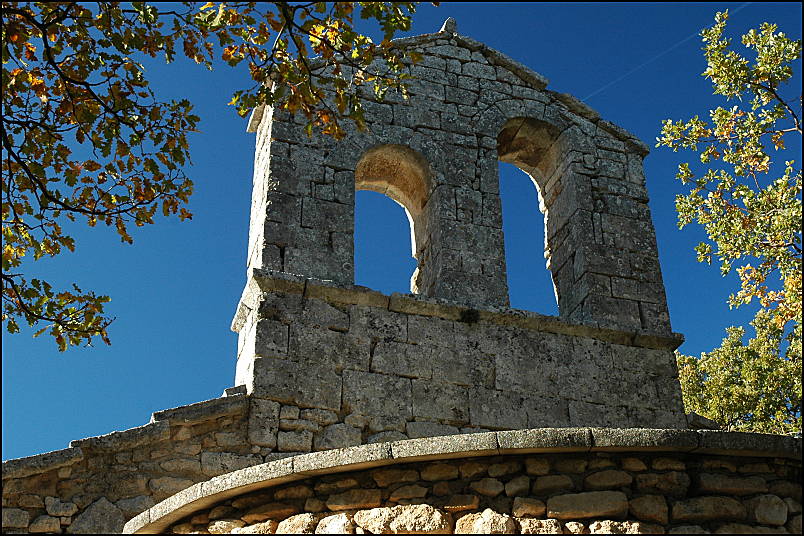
[530, 286]
[383, 259]
[530, 146]
[403, 175]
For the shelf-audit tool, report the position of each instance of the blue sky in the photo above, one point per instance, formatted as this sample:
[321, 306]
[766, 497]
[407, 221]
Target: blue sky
[175, 290]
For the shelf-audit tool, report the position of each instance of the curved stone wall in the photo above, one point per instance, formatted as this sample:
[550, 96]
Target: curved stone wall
[575, 481]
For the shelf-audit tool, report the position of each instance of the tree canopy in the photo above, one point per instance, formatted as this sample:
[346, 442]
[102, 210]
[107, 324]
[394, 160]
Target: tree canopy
[86, 139]
[749, 204]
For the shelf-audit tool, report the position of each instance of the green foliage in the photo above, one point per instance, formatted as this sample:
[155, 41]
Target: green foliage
[86, 139]
[751, 212]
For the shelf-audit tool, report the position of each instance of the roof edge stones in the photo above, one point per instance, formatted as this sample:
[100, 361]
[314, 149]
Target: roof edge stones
[540, 440]
[497, 58]
[158, 429]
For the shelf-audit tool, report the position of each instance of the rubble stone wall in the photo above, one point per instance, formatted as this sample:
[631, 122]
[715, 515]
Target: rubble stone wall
[606, 492]
[100, 482]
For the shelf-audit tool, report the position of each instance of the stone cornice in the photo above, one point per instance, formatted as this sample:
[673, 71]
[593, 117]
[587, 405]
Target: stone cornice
[260, 281]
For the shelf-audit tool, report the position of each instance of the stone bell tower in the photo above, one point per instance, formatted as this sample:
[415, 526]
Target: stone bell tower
[336, 384]
[451, 356]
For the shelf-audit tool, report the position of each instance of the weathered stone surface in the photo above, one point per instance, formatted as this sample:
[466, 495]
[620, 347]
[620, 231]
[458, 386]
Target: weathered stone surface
[490, 487]
[224, 526]
[336, 524]
[537, 466]
[688, 529]
[570, 465]
[459, 503]
[252, 500]
[525, 507]
[517, 486]
[702, 509]
[794, 525]
[408, 492]
[545, 485]
[785, 488]
[274, 510]
[673, 483]
[633, 464]
[386, 477]
[336, 486]
[386, 437]
[419, 519]
[574, 527]
[607, 479]
[181, 465]
[589, 504]
[741, 528]
[134, 505]
[731, 485]
[540, 526]
[30, 501]
[200, 519]
[263, 422]
[793, 506]
[439, 471]
[300, 441]
[299, 524]
[668, 464]
[472, 469]
[264, 527]
[218, 463]
[767, 510]
[375, 521]
[505, 468]
[56, 508]
[220, 512]
[337, 436]
[99, 517]
[45, 524]
[33, 465]
[486, 522]
[293, 492]
[649, 508]
[624, 527]
[168, 485]
[354, 499]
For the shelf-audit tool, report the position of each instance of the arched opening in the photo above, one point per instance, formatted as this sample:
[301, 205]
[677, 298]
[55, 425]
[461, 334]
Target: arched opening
[404, 176]
[529, 287]
[529, 145]
[383, 260]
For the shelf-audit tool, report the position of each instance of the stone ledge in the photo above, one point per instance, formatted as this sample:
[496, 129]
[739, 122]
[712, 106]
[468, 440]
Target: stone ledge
[270, 281]
[40, 463]
[544, 440]
[203, 411]
[126, 439]
[748, 444]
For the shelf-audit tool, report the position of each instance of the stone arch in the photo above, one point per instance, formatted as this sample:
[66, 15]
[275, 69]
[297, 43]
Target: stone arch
[539, 149]
[405, 176]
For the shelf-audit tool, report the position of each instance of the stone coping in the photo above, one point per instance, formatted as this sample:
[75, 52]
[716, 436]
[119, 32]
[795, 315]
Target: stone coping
[260, 281]
[541, 440]
[158, 429]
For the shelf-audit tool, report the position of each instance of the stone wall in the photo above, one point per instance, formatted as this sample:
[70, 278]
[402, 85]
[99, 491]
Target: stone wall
[613, 489]
[99, 483]
[342, 366]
